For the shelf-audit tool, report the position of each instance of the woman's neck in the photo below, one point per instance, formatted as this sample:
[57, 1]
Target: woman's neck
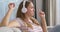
[26, 19]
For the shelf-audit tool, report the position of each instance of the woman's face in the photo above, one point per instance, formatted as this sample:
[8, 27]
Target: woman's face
[30, 9]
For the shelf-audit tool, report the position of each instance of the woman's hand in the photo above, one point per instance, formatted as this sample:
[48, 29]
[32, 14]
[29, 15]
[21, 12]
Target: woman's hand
[44, 25]
[41, 14]
[11, 5]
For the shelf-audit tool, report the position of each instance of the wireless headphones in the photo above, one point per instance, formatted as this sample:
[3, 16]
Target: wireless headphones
[24, 9]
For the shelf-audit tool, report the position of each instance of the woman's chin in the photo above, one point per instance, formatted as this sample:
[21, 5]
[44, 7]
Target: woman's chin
[32, 15]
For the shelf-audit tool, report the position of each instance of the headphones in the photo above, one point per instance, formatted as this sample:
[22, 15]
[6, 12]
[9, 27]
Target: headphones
[24, 9]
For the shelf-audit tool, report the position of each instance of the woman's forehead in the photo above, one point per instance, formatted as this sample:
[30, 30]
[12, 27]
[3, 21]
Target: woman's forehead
[31, 4]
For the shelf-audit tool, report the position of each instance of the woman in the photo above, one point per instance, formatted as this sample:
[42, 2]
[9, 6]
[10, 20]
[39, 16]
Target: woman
[25, 21]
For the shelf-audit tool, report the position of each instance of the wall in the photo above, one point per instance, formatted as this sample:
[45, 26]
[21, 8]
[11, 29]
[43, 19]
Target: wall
[57, 12]
[4, 8]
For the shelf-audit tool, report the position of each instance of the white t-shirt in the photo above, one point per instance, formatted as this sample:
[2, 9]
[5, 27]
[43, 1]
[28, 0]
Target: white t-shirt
[36, 28]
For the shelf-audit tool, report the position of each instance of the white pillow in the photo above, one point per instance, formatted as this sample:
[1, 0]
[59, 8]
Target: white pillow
[6, 29]
[16, 30]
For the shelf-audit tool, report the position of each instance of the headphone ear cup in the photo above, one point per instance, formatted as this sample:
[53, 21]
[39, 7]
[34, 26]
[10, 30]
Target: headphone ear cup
[24, 10]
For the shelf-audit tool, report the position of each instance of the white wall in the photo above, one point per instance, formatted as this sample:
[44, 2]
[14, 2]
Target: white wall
[57, 12]
[4, 8]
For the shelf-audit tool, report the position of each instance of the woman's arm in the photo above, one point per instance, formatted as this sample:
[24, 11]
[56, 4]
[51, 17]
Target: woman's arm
[6, 18]
[42, 16]
[44, 26]
[0, 24]
[13, 23]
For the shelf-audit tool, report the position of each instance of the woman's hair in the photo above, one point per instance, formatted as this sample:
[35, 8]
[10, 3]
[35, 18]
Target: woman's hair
[19, 13]
[22, 15]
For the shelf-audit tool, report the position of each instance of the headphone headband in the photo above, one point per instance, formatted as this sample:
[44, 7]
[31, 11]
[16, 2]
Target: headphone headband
[24, 10]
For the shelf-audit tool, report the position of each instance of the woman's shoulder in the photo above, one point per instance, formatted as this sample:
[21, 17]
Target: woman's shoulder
[16, 20]
[13, 23]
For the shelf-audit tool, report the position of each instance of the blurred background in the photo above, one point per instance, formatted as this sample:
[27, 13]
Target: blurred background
[50, 7]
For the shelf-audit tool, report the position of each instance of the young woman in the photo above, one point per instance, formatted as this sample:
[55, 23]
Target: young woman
[25, 21]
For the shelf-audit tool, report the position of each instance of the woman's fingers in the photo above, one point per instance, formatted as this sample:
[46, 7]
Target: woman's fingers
[41, 14]
[11, 5]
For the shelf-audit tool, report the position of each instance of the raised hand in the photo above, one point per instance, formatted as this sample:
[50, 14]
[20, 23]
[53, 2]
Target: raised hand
[42, 14]
[11, 5]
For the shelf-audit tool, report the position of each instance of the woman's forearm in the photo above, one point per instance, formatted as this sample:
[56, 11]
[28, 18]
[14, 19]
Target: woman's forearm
[6, 18]
[44, 26]
[0, 24]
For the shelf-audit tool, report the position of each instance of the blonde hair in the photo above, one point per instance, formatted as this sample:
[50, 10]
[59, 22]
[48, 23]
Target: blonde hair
[34, 21]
